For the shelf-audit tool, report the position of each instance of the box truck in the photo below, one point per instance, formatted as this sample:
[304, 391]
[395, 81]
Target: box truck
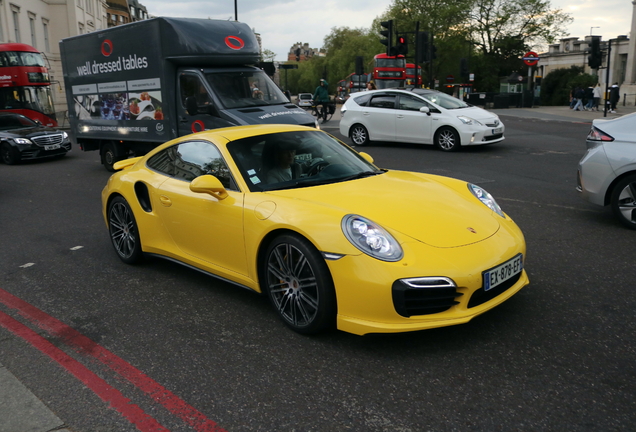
[132, 87]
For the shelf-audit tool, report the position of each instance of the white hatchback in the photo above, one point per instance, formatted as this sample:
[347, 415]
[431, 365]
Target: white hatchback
[418, 116]
[305, 100]
[607, 171]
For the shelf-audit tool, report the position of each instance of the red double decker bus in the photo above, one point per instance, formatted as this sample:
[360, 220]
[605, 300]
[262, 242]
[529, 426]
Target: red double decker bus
[389, 71]
[413, 79]
[25, 87]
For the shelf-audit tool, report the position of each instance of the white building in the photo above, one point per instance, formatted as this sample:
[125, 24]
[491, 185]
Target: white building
[574, 52]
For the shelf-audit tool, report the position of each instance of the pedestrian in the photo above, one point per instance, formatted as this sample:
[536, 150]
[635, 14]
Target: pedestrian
[614, 96]
[589, 98]
[572, 97]
[579, 94]
[597, 96]
[371, 86]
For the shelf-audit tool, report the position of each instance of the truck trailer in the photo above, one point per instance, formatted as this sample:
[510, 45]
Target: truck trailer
[132, 87]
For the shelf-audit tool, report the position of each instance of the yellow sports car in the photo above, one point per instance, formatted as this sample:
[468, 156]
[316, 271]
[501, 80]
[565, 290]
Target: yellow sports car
[333, 240]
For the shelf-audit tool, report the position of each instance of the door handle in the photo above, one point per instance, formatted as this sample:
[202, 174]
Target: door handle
[167, 202]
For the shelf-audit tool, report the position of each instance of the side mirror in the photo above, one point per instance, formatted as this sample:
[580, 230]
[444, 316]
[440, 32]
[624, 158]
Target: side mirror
[426, 110]
[191, 106]
[210, 185]
[367, 157]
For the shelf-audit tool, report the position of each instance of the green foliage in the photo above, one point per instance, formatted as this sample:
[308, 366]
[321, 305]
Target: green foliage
[558, 84]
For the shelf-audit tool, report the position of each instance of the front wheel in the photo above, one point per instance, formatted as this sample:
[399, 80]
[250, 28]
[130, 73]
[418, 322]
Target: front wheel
[124, 234]
[359, 135]
[299, 285]
[9, 154]
[623, 201]
[447, 139]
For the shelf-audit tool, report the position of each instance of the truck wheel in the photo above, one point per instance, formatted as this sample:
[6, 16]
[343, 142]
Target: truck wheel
[110, 155]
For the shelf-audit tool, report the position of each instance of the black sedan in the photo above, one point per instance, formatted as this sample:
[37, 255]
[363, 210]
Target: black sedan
[21, 138]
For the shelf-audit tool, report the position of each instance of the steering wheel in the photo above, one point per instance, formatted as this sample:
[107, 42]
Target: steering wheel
[316, 166]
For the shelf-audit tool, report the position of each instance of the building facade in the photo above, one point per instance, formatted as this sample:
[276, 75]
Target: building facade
[301, 52]
[622, 60]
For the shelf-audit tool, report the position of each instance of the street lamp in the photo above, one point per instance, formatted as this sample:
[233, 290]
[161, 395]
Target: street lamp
[592, 28]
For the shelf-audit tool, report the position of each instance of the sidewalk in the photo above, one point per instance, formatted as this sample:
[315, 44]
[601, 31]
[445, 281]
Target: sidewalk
[21, 410]
[562, 113]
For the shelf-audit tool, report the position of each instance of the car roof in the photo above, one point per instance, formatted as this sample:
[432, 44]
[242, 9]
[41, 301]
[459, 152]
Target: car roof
[399, 90]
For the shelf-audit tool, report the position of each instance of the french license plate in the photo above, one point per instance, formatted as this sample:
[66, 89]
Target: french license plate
[498, 275]
[52, 147]
[497, 131]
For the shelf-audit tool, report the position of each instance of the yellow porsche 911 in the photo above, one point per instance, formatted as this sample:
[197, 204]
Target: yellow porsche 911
[332, 240]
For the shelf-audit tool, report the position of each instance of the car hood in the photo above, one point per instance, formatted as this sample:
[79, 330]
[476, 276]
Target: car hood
[272, 114]
[476, 113]
[435, 210]
[29, 132]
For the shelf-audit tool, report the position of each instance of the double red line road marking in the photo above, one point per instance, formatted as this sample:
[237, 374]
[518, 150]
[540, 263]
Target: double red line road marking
[86, 347]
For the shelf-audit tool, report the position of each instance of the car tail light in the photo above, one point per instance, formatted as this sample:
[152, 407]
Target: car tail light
[598, 135]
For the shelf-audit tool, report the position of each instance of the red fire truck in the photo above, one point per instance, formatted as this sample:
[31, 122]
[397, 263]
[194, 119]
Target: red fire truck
[411, 79]
[389, 71]
[24, 83]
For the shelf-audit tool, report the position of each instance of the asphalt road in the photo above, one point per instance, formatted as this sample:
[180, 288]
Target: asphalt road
[557, 356]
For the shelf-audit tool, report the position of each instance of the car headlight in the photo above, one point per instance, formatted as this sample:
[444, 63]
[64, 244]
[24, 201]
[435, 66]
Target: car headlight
[468, 120]
[64, 135]
[22, 141]
[371, 238]
[486, 199]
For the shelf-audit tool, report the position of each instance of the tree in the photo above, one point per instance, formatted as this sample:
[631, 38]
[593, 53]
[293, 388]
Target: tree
[557, 85]
[268, 55]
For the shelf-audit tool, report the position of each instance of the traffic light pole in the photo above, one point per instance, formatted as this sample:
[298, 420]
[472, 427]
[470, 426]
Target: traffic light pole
[607, 77]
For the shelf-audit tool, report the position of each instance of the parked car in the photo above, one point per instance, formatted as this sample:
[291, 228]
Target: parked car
[305, 100]
[607, 171]
[21, 138]
[286, 211]
[418, 116]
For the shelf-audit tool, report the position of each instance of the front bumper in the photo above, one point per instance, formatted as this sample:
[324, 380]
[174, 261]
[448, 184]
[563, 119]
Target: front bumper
[365, 287]
[482, 135]
[34, 151]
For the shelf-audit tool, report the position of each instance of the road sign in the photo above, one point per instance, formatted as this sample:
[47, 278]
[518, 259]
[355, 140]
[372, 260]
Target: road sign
[450, 78]
[531, 58]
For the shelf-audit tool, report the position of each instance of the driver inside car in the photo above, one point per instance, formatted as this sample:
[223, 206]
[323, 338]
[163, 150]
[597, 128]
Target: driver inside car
[280, 163]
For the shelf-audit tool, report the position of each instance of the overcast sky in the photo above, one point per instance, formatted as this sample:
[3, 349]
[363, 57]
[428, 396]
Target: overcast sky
[282, 23]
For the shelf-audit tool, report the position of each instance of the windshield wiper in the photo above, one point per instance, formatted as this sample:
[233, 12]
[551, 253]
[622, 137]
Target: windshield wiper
[360, 175]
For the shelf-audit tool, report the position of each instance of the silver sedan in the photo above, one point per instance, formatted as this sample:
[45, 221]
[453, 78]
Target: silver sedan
[607, 171]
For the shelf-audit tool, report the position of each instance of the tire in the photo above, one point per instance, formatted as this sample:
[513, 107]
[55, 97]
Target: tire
[359, 135]
[623, 201]
[447, 139]
[299, 285]
[123, 231]
[9, 154]
[110, 155]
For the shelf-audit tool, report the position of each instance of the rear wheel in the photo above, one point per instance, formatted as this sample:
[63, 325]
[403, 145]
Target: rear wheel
[299, 285]
[623, 201]
[124, 234]
[359, 135]
[447, 139]
[10, 155]
[110, 155]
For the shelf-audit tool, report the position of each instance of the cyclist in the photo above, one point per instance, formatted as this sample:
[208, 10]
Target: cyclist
[321, 99]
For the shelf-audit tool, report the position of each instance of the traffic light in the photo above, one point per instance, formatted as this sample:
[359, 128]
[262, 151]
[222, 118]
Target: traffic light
[388, 36]
[359, 65]
[463, 67]
[422, 47]
[402, 46]
[595, 59]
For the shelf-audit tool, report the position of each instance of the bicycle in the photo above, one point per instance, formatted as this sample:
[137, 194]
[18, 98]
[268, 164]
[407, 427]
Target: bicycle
[323, 110]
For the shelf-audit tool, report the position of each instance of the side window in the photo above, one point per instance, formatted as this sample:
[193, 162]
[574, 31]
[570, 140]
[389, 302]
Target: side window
[191, 86]
[410, 103]
[197, 158]
[163, 161]
[362, 100]
[382, 101]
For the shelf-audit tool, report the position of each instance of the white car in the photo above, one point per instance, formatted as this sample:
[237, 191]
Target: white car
[418, 116]
[305, 100]
[607, 171]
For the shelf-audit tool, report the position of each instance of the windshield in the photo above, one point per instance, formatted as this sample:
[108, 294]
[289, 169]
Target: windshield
[445, 101]
[296, 159]
[36, 98]
[394, 62]
[20, 58]
[15, 121]
[245, 89]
